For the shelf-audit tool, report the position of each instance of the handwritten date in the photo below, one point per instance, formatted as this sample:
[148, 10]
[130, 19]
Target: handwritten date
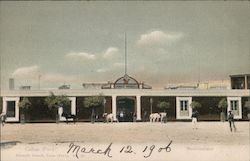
[145, 151]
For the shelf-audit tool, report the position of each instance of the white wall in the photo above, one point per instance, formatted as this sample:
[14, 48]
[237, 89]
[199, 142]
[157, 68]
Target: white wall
[16, 99]
[73, 109]
[178, 107]
[239, 116]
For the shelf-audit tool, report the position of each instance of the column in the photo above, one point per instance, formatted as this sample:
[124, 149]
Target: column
[138, 107]
[73, 105]
[245, 82]
[72, 108]
[114, 107]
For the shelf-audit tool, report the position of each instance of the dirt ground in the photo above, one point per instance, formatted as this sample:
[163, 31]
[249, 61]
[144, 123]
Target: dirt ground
[211, 141]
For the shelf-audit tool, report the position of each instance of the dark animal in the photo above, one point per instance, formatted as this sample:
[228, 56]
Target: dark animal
[3, 118]
[69, 116]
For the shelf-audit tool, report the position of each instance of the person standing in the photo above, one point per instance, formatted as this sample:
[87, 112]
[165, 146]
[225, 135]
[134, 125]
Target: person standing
[231, 121]
[121, 115]
[222, 117]
[145, 116]
[194, 118]
[134, 117]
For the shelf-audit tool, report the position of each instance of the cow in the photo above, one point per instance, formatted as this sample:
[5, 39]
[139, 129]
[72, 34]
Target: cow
[154, 117]
[108, 117]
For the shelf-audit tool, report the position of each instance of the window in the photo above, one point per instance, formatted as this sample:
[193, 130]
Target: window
[234, 105]
[183, 111]
[238, 83]
[184, 105]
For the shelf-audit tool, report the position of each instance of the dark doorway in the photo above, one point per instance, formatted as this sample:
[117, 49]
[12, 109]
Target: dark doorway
[67, 109]
[11, 108]
[125, 109]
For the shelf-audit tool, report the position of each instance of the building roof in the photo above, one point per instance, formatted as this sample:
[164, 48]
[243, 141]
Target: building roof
[239, 75]
[129, 92]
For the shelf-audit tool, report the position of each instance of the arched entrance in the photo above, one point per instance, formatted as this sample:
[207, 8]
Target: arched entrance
[125, 109]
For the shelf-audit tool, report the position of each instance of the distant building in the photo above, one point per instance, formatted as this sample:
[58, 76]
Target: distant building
[93, 85]
[182, 86]
[200, 86]
[25, 87]
[11, 84]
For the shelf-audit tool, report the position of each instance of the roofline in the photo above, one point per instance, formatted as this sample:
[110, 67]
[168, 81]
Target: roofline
[128, 92]
[239, 75]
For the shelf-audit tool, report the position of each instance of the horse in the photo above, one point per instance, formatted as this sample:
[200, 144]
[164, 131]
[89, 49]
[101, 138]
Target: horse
[163, 116]
[69, 116]
[154, 117]
[108, 117]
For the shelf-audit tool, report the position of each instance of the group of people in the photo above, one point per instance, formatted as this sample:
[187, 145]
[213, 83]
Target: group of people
[230, 118]
[122, 116]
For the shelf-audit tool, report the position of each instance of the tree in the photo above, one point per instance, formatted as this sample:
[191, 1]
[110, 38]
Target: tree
[54, 102]
[247, 106]
[51, 101]
[195, 105]
[222, 106]
[1, 105]
[24, 105]
[163, 105]
[93, 102]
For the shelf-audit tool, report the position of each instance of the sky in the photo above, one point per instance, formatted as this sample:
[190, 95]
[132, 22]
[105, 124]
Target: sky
[83, 41]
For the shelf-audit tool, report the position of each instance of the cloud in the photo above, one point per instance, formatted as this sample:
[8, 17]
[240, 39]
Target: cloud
[30, 74]
[81, 55]
[26, 72]
[57, 78]
[101, 70]
[110, 52]
[159, 37]
[111, 67]
[119, 64]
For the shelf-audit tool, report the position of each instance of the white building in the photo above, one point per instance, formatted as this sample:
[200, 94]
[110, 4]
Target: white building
[127, 94]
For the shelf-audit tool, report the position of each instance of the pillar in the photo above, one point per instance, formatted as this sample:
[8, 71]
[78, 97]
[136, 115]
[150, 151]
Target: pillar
[73, 109]
[245, 82]
[114, 107]
[138, 107]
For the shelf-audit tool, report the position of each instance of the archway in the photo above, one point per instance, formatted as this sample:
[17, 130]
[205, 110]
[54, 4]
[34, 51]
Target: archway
[125, 108]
